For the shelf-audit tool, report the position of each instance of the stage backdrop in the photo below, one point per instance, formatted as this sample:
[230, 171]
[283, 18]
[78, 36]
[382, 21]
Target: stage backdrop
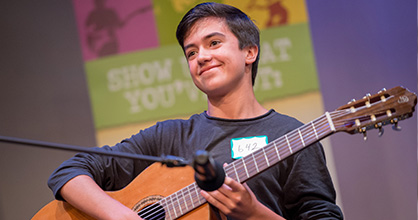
[137, 72]
[359, 47]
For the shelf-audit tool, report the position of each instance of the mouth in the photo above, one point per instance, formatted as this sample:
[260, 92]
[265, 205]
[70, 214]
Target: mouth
[205, 69]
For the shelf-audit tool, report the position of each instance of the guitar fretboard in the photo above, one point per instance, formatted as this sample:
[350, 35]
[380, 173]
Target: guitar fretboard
[247, 167]
[189, 198]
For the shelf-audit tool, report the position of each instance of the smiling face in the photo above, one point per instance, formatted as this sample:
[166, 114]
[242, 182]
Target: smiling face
[216, 63]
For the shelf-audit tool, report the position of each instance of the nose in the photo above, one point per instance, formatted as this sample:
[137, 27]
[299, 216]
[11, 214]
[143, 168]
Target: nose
[204, 55]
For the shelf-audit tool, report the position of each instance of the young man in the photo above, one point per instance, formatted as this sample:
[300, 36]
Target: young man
[221, 45]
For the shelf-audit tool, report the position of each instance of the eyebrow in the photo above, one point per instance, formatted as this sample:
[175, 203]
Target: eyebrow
[205, 38]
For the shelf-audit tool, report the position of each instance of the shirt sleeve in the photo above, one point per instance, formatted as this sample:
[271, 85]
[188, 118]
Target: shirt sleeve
[110, 173]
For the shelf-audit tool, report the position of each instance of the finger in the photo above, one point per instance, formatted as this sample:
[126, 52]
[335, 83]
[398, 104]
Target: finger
[232, 185]
[214, 200]
[248, 190]
[221, 194]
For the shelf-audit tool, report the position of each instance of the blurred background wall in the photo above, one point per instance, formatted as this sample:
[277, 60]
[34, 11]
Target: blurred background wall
[359, 46]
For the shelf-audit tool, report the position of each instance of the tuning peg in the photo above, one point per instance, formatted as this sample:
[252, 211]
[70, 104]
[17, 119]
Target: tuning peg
[382, 97]
[382, 90]
[367, 96]
[380, 127]
[395, 126]
[368, 100]
[351, 101]
[363, 131]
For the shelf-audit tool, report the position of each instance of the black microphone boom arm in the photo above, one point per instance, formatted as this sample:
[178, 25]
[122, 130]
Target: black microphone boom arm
[168, 160]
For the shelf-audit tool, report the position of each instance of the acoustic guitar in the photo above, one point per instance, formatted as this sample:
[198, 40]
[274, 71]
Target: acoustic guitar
[156, 196]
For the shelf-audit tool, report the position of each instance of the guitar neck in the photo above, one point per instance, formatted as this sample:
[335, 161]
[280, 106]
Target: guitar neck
[241, 170]
[247, 167]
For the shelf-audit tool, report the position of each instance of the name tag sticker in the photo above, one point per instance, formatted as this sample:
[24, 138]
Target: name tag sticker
[241, 147]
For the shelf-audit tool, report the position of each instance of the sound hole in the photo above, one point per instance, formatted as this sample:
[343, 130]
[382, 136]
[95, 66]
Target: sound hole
[152, 212]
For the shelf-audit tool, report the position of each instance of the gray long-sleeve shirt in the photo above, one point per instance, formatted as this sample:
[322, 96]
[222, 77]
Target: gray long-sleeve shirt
[298, 187]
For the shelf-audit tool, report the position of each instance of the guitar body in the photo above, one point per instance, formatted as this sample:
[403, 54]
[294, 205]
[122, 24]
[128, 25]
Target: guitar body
[155, 182]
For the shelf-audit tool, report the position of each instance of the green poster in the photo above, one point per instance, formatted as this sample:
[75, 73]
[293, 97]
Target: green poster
[153, 84]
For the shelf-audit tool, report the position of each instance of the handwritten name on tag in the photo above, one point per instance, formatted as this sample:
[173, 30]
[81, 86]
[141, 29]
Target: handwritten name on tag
[241, 147]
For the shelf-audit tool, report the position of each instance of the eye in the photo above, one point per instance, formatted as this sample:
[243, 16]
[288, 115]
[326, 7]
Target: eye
[215, 42]
[190, 54]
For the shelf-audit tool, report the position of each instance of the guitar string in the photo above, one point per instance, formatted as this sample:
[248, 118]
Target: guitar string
[148, 216]
[154, 209]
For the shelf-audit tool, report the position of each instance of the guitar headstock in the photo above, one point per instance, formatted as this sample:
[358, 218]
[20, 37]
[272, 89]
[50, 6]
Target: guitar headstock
[375, 111]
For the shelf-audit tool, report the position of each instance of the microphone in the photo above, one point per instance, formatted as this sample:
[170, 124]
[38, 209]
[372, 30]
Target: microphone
[209, 174]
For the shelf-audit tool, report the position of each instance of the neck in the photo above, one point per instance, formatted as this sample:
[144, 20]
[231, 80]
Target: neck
[235, 106]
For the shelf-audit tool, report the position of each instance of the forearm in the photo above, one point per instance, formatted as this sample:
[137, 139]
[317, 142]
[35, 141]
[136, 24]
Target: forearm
[84, 194]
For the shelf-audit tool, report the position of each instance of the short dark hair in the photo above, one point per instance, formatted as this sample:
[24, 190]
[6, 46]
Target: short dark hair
[238, 22]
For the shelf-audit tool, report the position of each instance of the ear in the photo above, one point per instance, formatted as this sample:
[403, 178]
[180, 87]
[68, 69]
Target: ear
[252, 52]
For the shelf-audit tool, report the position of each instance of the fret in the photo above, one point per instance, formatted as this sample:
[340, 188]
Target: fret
[190, 195]
[200, 197]
[245, 167]
[255, 162]
[236, 174]
[283, 148]
[277, 151]
[241, 170]
[309, 134]
[314, 129]
[270, 153]
[174, 208]
[301, 138]
[184, 199]
[178, 198]
[258, 162]
[195, 190]
[288, 144]
[252, 165]
[196, 201]
[169, 210]
[175, 200]
[322, 127]
[331, 125]
[179, 202]
[265, 156]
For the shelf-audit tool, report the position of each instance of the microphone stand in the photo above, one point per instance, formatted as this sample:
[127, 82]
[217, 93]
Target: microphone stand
[168, 160]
